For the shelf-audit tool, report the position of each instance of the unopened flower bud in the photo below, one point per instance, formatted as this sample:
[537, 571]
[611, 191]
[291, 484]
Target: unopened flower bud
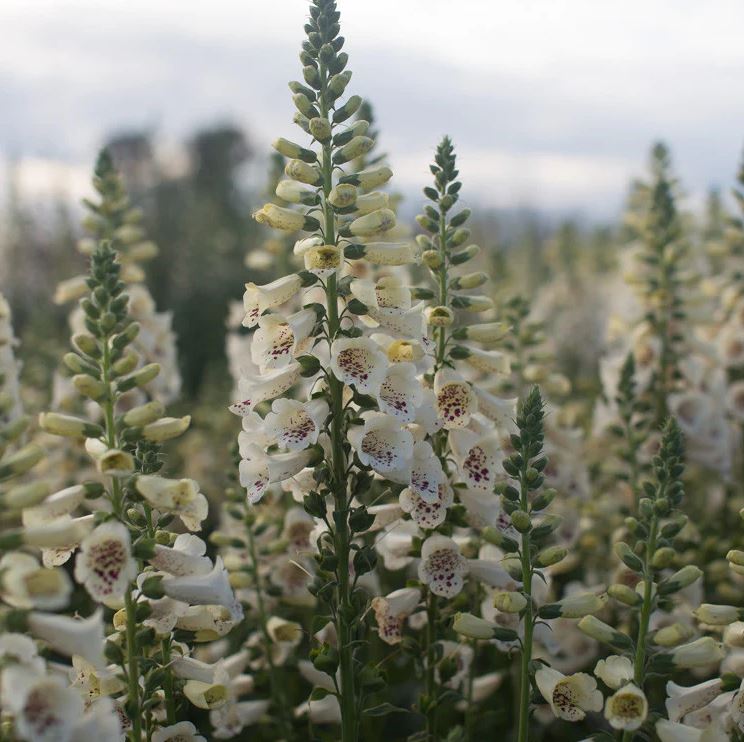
[473, 627]
[509, 602]
[439, 316]
[166, 428]
[303, 171]
[67, 425]
[343, 195]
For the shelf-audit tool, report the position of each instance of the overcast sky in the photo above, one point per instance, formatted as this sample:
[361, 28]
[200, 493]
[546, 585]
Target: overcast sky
[551, 103]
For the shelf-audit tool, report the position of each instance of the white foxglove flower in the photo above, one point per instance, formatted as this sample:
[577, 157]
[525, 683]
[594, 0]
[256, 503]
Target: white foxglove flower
[212, 588]
[71, 636]
[229, 720]
[101, 721]
[208, 622]
[473, 627]
[60, 503]
[325, 711]
[394, 544]
[20, 649]
[257, 299]
[110, 461]
[164, 614]
[382, 444]
[426, 472]
[400, 392]
[392, 610]
[699, 653]
[614, 671]
[295, 425]
[323, 260]
[488, 361]
[478, 458]
[253, 433]
[442, 568]
[261, 470]
[179, 497]
[627, 708]
[670, 731]
[389, 306]
[391, 253]
[500, 411]
[485, 509]
[47, 710]
[104, 564]
[93, 682]
[206, 695]
[63, 534]
[682, 700]
[256, 388]
[426, 514]
[569, 696]
[26, 584]
[183, 731]
[455, 399]
[185, 557]
[279, 339]
[359, 362]
[491, 572]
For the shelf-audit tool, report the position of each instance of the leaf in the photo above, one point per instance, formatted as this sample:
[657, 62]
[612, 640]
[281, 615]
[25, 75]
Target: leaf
[384, 709]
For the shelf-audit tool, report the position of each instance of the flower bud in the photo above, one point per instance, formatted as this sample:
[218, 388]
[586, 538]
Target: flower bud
[144, 414]
[369, 202]
[574, 606]
[663, 557]
[278, 217]
[469, 281]
[347, 110]
[90, 387]
[25, 495]
[439, 316]
[367, 179]
[139, 378]
[680, 580]
[599, 630]
[473, 627]
[521, 521]
[303, 171]
[293, 151]
[166, 428]
[628, 557]
[672, 635]
[550, 556]
[343, 195]
[305, 106]
[733, 635]
[509, 602]
[624, 594]
[337, 84]
[86, 344]
[717, 615]
[698, 653]
[67, 425]
[488, 332]
[465, 255]
[472, 303]
[735, 557]
[373, 223]
[355, 148]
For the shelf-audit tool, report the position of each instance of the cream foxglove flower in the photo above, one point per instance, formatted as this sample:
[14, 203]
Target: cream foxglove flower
[456, 400]
[260, 470]
[207, 695]
[627, 708]
[614, 671]
[229, 720]
[473, 627]
[183, 731]
[110, 461]
[478, 458]
[442, 568]
[488, 361]
[569, 696]
[426, 473]
[682, 700]
[295, 425]
[279, 339]
[389, 306]
[382, 444]
[485, 509]
[60, 503]
[359, 362]
[26, 584]
[71, 636]
[499, 411]
[105, 564]
[185, 557]
[179, 497]
[670, 731]
[426, 514]
[256, 388]
[257, 299]
[208, 622]
[46, 710]
[62, 533]
[394, 544]
[323, 260]
[100, 721]
[491, 572]
[698, 653]
[212, 588]
[400, 392]
[392, 610]
[20, 649]
[93, 682]
[391, 253]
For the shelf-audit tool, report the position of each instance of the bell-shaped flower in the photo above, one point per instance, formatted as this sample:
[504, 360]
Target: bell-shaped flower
[569, 696]
[400, 392]
[64, 502]
[209, 622]
[256, 388]
[500, 411]
[391, 253]
[627, 708]
[261, 470]
[229, 720]
[359, 362]
[488, 361]
[93, 682]
[105, 564]
[71, 636]
[279, 339]
[394, 544]
[257, 299]
[455, 399]
[45, 709]
[442, 568]
[478, 458]
[295, 425]
[484, 509]
[426, 473]
[670, 731]
[206, 695]
[614, 671]
[424, 513]
[183, 731]
[382, 443]
[392, 610]
[100, 721]
[185, 557]
[179, 497]
[389, 306]
[212, 588]
[24, 583]
[682, 700]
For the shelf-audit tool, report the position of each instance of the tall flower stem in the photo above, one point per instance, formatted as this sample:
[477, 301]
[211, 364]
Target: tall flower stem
[527, 618]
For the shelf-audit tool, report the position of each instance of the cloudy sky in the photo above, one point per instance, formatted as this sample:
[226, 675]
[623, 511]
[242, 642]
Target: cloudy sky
[552, 103]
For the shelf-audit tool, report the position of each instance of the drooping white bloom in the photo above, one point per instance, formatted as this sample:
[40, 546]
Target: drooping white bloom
[478, 458]
[296, 425]
[212, 588]
[670, 731]
[392, 610]
[256, 388]
[456, 400]
[257, 299]
[627, 708]
[229, 720]
[260, 470]
[488, 361]
[185, 557]
[359, 362]
[71, 636]
[394, 544]
[180, 497]
[614, 671]
[382, 444]
[24, 583]
[442, 567]
[400, 393]
[46, 710]
[499, 411]
[279, 339]
[105, 564]
[101, 721]
[424, 513]
[426, 473]
[699, 653]
[485, 509]
[569, 696]
[389, 305]
[682, 700]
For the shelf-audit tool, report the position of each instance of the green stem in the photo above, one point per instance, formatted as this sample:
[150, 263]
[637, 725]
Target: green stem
[431, 689]
[342, 534]
[277, 688]
[527, 618]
